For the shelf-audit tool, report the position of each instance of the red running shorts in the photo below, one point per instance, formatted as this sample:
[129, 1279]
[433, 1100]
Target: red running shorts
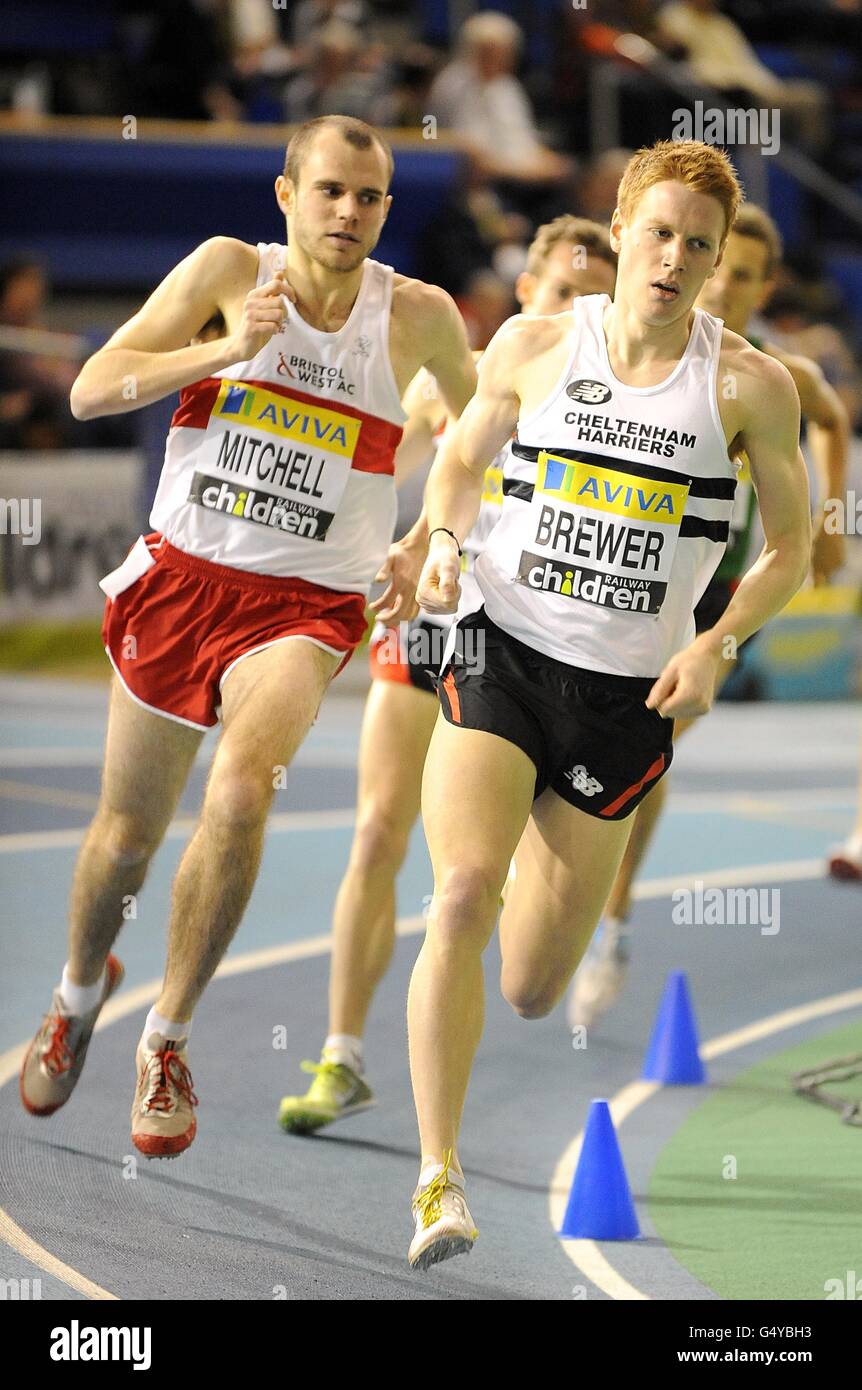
[175, 625]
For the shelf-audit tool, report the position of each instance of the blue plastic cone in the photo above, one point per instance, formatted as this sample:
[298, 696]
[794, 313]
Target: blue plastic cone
[672, 1056]
[600, 1203]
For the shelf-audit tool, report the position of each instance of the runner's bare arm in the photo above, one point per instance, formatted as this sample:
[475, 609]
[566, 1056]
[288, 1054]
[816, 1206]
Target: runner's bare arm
[771, 440]
[441, 332]
[829, 443]
[400, 570]
[770, 437]
[149, 357]
[453, 492]
[426, 411]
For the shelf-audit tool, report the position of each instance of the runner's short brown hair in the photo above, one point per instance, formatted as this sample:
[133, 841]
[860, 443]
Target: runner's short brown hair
[752, 221]
[357, 133]
[579, 231]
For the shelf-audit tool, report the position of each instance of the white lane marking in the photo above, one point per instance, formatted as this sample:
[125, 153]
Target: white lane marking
[178, 829]
[47, 796]
[736, 877]
[343, 757]
[18, 1240]
[586, 1255]
[130, 1000]
[127, 1002]
[51, 757]
[342, 754]
[771, 796]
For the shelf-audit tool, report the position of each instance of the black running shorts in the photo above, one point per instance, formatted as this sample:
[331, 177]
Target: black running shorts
[589, 735]
[409, 655]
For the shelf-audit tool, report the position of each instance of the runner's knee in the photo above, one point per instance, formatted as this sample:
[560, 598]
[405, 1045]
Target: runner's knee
[529, 1001]
[465, 903]
[126, 839]
[238, 798]
[380, 842]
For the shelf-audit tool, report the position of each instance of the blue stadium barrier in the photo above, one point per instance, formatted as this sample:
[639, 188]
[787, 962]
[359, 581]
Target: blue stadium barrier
[787, 205]
[58, 26]
[843, 265]
[123, 212]
[821, 64]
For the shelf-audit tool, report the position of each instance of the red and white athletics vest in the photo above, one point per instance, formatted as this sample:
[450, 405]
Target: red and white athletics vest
[283, 465]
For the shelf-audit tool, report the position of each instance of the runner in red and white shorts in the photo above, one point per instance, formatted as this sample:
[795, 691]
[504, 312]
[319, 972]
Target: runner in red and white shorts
[569, 257]
[274, 513]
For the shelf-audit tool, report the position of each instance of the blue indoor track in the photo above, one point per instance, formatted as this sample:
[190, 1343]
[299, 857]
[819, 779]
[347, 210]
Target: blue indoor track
[758, 794]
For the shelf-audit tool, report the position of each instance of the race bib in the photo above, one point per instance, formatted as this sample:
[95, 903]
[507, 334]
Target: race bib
[601, 534]
[276, 462]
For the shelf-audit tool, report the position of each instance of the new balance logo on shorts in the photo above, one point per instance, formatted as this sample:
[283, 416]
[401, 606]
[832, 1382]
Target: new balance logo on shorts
[582, 781]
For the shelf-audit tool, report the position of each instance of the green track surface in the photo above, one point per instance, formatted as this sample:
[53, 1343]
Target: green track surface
[792, 1217]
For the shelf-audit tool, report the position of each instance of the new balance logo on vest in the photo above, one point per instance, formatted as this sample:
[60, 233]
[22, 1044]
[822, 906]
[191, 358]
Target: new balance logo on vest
[583, 782]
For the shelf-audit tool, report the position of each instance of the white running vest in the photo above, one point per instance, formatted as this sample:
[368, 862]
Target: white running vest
[284, 464]
[620, 513]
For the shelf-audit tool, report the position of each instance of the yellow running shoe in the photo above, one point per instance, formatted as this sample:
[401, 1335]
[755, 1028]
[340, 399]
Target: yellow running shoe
[335, 1092]
[444, 1226]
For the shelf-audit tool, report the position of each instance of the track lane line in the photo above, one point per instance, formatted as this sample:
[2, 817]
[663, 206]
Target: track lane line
[591, 1258]
[586, 1255]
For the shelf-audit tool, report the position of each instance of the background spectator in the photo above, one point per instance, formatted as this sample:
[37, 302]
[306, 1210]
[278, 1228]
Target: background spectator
[487, 302]
[797, 323]
[332, 81]
[597, 189]
[478, 96]
[310, 16]
[720, 55]
[34, 388]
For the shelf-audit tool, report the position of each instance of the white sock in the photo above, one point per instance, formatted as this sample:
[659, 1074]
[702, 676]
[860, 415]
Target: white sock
[346, 1050]
[853, 847]
[80, 999]
[430, 1171]
[166, 1027]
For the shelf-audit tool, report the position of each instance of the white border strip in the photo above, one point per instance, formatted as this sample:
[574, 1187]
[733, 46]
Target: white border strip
[586, 1255]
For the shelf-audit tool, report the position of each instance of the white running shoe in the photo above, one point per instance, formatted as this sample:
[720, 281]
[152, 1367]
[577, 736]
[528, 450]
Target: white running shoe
[600, 977]
[444, 1226]
[845, 861]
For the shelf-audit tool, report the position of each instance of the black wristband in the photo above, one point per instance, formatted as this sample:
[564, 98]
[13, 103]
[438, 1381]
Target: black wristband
[448, 533]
